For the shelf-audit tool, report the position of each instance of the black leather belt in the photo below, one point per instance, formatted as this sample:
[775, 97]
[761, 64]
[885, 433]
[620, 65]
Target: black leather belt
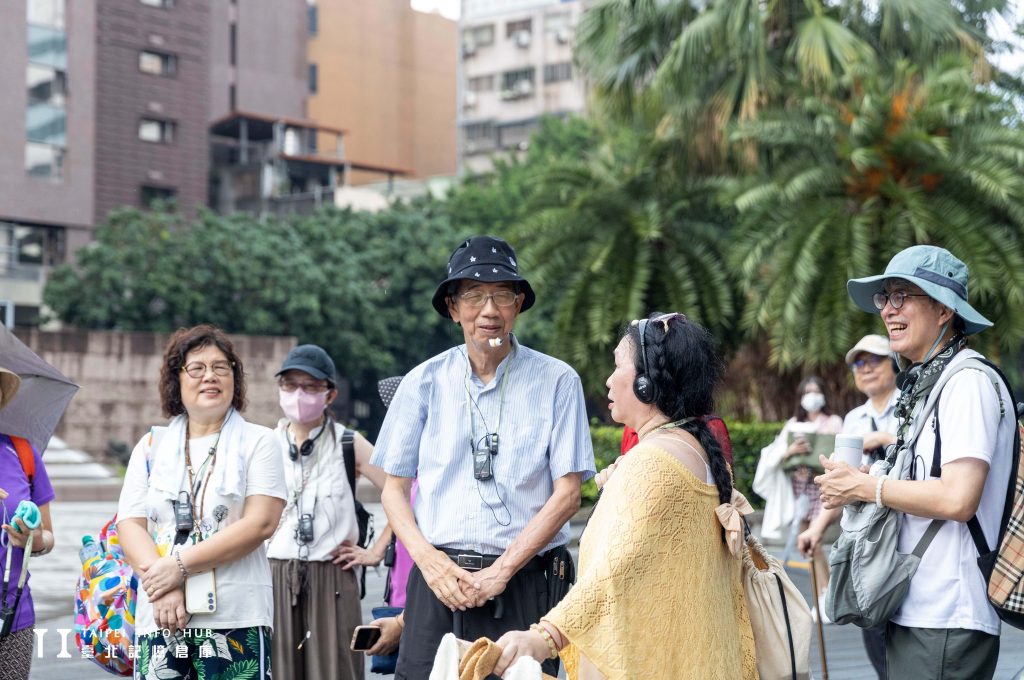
[474, 561]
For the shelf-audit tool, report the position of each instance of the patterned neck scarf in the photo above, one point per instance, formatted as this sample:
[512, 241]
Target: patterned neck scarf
[918, 383]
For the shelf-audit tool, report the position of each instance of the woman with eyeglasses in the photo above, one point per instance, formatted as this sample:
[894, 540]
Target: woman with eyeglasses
[200, 497]
[786, 469]
[658, 592]
[314, 552]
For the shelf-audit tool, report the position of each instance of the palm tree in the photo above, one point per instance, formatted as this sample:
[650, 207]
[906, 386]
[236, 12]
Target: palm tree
[619, 233]
[914, 156]
[707, 65]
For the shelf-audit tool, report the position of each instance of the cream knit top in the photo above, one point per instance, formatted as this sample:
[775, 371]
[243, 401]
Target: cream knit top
[658, 595]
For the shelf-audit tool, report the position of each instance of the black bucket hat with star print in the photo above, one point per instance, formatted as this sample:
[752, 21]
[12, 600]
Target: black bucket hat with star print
[483, 258]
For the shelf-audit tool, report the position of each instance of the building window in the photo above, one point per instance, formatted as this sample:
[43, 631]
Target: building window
[156, 131]
[513, 28]
[158, 64]
[47, 124]
[44, 161]
[314, 75]
[481, 84]
[478, 136]
[516, 135]
[233, 44]
[49, 13]
[47, 47]
[478, 36]
[557, 21]
[163, 4]
[148, 195]
[312, 18]
[232, 97]
[557, 73]
[514, 81]
[46, 85]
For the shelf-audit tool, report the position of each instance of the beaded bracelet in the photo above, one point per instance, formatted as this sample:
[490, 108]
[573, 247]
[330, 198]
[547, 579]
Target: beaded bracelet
[181, 565]
[878, 492]
[542, 631]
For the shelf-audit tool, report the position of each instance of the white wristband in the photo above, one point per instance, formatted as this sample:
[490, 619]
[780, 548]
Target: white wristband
[878, 492]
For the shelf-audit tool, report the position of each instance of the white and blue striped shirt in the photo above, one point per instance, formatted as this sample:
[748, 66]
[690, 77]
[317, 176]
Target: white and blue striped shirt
[543, 436]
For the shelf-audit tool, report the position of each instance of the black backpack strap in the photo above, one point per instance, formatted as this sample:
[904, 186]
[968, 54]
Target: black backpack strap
[348, 452]
[789, 627]
[977, 534]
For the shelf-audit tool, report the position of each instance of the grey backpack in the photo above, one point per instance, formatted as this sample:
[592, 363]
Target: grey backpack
[869, 577]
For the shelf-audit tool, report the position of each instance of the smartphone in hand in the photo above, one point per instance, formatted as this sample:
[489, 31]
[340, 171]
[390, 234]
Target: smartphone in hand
[364, 637]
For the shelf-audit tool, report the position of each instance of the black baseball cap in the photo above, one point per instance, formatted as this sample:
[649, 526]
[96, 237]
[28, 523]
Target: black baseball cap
[311, 359]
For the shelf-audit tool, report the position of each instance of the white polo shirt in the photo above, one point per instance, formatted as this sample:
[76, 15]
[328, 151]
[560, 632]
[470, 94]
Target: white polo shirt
[858, 421]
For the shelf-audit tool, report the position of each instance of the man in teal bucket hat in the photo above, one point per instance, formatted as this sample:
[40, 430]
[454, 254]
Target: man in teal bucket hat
[945, 628]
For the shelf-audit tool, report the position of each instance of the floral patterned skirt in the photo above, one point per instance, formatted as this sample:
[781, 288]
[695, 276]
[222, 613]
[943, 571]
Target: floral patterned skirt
[198, 653]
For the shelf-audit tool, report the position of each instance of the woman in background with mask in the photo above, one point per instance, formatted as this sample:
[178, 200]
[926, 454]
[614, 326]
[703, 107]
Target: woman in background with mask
[781, 483]
[313, 552]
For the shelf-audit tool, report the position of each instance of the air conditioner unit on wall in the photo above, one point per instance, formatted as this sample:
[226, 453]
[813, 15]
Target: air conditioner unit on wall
[469, 101]
[563, 36]
[523, 38]
[524, 88]
[468, 48]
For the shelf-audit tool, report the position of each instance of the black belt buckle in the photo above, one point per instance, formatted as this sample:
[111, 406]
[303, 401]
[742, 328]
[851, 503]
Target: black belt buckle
[470, 562]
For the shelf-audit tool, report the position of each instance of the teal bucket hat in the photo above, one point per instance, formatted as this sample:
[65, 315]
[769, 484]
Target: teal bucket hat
[939, 273]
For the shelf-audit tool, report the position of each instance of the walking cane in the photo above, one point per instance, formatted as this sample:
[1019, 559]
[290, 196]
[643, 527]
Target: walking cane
[817, 619]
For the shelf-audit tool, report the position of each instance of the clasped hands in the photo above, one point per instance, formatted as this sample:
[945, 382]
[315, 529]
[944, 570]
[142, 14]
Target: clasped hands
[459, 589]
[165, 586]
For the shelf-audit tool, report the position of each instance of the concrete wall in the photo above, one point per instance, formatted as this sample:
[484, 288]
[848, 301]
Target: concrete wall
[387, 76]
[66, 202]
[119, 374]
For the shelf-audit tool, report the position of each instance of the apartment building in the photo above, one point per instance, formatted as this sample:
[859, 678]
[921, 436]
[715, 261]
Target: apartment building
[47, 117]
[515, 66]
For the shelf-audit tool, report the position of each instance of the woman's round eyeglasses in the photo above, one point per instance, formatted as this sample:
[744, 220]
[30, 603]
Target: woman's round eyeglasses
[895, 298]
[197, 369]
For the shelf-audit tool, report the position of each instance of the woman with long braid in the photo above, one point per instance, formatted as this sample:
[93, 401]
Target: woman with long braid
[659, 592]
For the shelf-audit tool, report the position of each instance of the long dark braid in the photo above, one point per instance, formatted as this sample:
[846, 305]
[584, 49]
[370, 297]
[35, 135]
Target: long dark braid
[684, 366]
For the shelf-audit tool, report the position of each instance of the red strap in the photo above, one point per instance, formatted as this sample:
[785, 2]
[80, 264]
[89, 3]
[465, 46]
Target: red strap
[28, 460]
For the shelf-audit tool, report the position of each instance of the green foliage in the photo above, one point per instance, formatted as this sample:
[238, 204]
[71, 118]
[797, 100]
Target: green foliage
[607, 442]
[747, 441]
[907, 158]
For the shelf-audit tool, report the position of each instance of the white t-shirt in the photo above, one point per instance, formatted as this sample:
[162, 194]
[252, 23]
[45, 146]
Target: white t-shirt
[948, 590]
[325, 493]
[244, 589]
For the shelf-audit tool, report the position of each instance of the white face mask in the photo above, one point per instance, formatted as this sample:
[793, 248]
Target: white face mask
[812, 402]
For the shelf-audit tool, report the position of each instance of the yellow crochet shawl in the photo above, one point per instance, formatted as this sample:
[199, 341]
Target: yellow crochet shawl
[658, 595]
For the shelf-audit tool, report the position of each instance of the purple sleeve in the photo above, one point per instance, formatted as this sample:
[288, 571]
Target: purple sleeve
[43, 493]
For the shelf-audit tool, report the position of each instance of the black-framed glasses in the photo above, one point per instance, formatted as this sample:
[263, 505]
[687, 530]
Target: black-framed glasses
[502, 298]
[895, 298]
[197, 369]
[307, 387]
[872, 360]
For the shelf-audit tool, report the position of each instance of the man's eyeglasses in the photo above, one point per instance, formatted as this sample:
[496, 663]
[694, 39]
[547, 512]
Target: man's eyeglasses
[197, 369]
[307, 387]
[502, 298]
[872, 360]
[895, 298]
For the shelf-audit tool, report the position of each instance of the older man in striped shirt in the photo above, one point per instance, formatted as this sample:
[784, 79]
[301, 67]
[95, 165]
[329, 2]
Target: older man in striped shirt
[497, 435]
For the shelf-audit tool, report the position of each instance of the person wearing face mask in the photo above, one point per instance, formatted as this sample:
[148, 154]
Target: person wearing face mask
[781, 485]
[313, 554]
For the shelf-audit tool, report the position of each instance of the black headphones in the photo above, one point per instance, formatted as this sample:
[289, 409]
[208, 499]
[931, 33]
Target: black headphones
[307, 446]
[643, 387]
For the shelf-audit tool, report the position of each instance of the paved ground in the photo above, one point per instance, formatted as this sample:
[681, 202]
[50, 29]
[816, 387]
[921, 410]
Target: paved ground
[53, 580]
